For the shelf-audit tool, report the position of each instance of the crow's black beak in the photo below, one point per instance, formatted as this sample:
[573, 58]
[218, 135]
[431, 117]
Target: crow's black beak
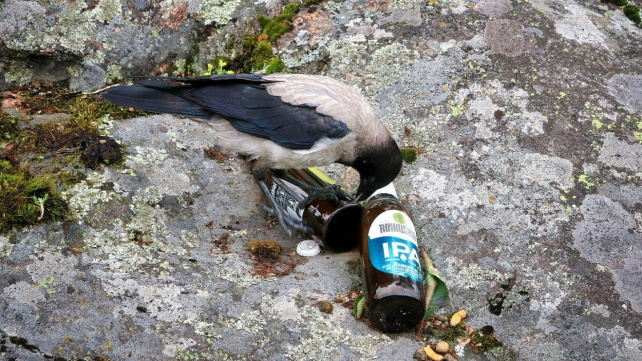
[364, 191]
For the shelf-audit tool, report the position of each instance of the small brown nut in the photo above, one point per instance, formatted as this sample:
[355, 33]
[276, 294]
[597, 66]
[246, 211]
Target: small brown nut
[432, 354]
[442, 347]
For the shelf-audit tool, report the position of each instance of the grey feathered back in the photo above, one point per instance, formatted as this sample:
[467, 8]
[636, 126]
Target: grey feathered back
[333, 98]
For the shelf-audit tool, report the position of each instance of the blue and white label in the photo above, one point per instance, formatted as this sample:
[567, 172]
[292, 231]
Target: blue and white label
[392, 242]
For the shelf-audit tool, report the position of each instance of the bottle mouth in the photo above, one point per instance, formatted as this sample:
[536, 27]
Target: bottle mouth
[341, 230]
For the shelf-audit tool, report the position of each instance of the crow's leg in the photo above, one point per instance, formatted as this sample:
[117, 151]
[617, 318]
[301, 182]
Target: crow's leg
[331, 192]
[287, 221]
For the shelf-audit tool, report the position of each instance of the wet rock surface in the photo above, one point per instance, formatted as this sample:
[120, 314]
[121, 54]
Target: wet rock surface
[526, 192]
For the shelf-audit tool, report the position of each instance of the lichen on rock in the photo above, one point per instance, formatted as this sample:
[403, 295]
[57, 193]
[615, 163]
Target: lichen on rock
[217, 12]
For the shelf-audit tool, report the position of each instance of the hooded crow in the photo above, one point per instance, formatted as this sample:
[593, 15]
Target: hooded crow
[280, 121]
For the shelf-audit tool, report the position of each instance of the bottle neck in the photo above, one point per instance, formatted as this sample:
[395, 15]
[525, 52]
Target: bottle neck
[379, 196]
[388, 191]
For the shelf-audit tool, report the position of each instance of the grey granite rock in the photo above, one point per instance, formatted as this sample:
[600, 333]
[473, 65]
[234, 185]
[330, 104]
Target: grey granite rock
[58, 40]
[525, 192]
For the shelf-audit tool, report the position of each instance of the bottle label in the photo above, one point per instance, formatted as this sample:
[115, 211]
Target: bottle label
[285, 199]
[392, 242]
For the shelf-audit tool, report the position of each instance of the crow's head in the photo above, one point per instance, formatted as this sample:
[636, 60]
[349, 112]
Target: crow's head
[378, 166]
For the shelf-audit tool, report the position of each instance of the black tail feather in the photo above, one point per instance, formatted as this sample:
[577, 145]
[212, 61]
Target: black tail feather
[154, 100]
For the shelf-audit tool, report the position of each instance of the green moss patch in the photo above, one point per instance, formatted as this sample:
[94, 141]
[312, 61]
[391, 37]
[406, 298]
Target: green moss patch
[281, 23]
[616, 2]
[409, 155]
[46, 146]
[27, 199]
[440, 329]
[485, 339]
[633, 13]
[8, 127]
[257, 54]
[86, 111]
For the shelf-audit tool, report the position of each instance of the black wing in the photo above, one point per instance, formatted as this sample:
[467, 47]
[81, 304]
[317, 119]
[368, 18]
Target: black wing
[242, 99]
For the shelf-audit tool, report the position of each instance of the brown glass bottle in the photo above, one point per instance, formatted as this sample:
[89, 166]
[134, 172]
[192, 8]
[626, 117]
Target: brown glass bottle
[390, 266]
[336, 224]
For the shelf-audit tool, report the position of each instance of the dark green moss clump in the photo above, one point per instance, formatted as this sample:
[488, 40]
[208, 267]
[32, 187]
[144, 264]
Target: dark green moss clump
[443, 331]
[40, 155]
[84, 111]
[633, 13]
[409, 155]
[452, 334]
[275, 65]
[257, 55]
[485, 338]
[8, 127]
[258, 52]
[78, 134]
[616, 2]
[28, 200]
[281, 23]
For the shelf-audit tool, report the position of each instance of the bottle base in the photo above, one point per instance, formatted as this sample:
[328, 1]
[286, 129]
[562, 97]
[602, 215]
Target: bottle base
[396, 313]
